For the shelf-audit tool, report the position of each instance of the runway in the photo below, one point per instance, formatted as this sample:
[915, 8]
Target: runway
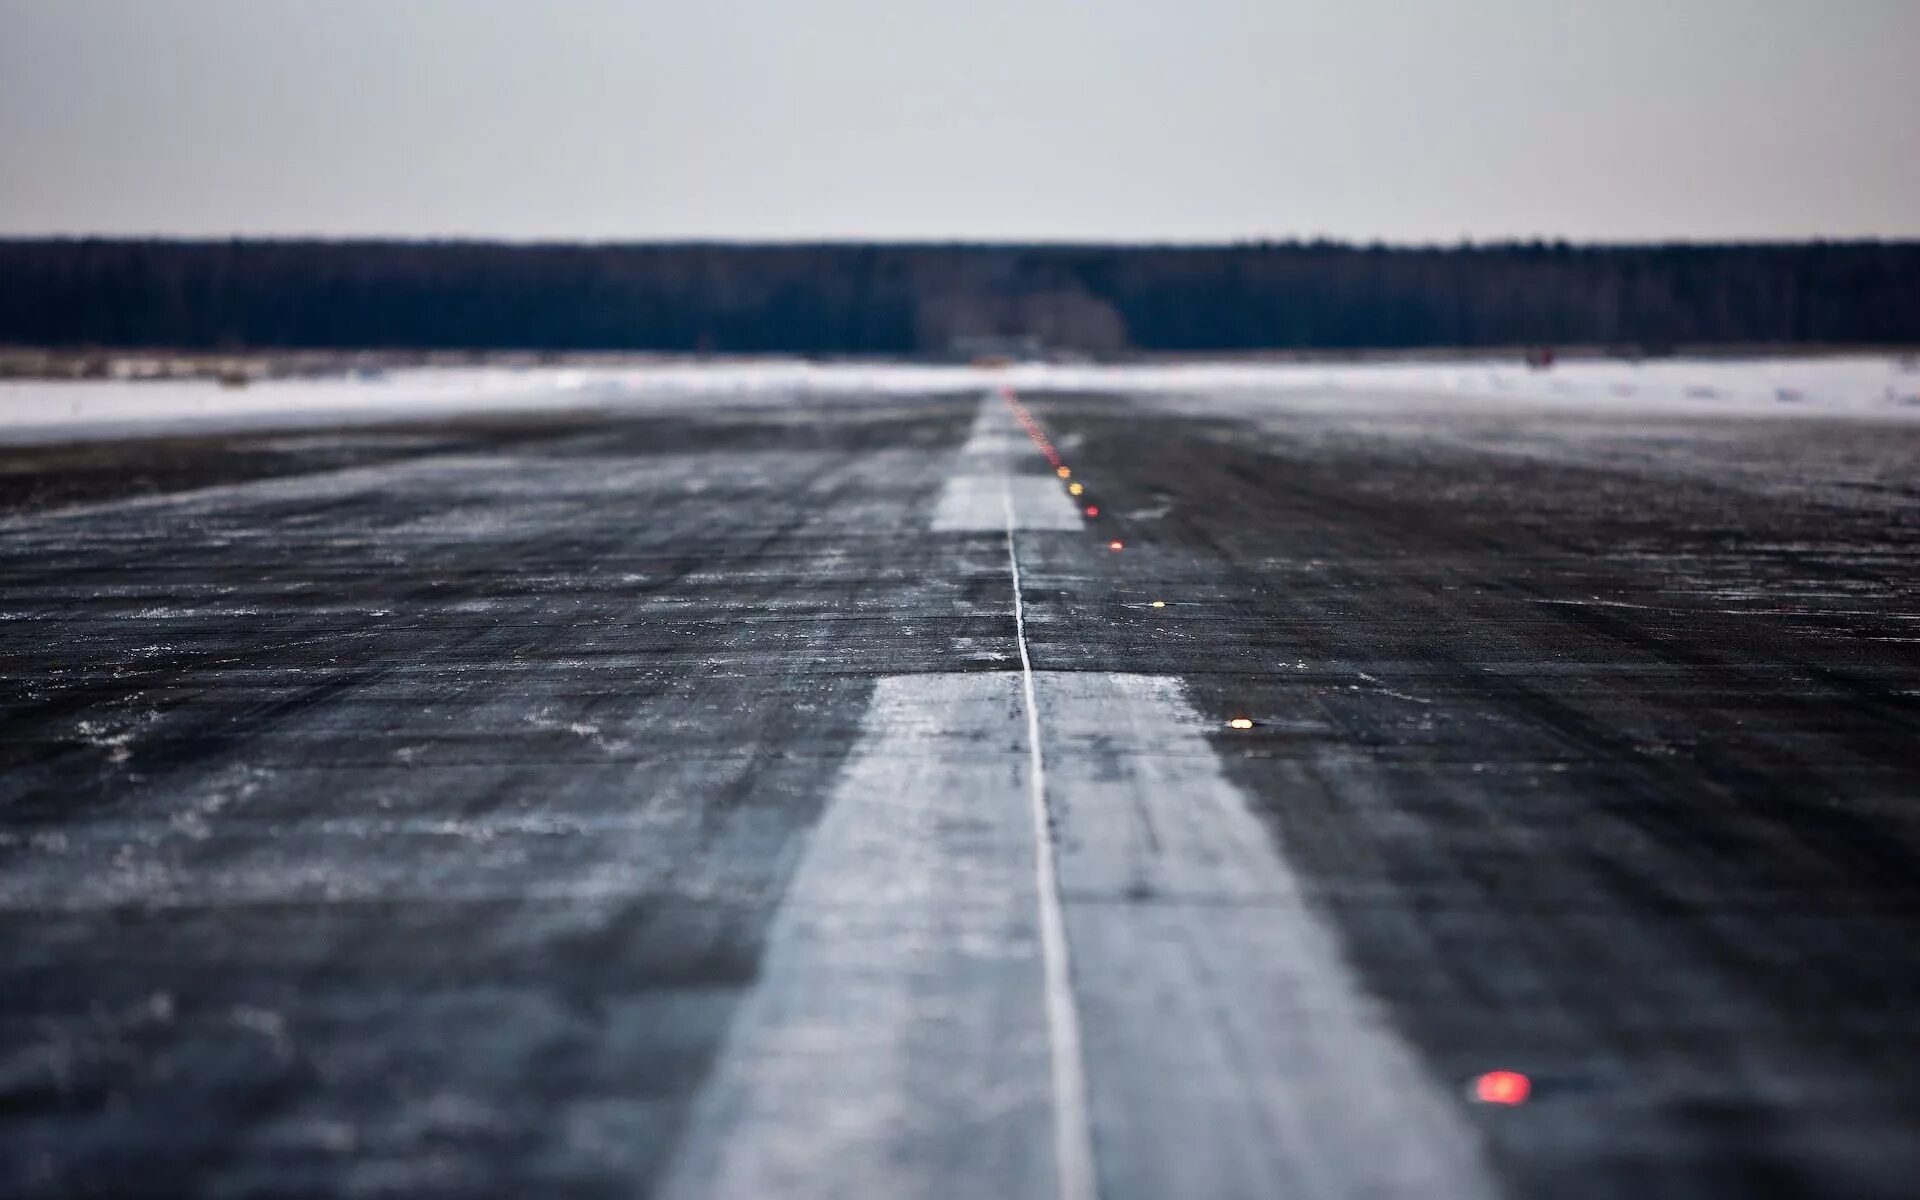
[974, 793]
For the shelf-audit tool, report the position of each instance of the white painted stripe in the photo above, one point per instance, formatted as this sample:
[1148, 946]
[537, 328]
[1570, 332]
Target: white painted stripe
[1231, 1049]
[974, 504]
[1072, 1128]
[973, 499]
[894, 1045]
[995, 434]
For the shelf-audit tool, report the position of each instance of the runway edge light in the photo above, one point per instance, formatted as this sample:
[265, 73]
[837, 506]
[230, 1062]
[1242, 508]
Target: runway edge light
[1502, 1087]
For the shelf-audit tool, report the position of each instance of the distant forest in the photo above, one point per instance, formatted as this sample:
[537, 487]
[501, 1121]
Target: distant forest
[842, 298]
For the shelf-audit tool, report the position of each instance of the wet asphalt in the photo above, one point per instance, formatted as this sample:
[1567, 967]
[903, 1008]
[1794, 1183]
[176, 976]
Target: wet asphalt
[405, 810]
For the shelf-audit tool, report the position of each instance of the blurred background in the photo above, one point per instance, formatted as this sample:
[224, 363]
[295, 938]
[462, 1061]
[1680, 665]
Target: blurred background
[998, 180]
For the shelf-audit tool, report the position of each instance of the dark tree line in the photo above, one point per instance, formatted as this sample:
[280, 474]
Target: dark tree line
[896, 299]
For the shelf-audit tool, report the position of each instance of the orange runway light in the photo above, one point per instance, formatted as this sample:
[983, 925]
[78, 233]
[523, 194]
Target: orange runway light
[1115, 545]
[1502, 1087]
[1240, 723]
[1062, 472]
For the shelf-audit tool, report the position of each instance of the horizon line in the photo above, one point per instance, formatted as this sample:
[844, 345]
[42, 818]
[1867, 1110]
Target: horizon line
[1316, 241]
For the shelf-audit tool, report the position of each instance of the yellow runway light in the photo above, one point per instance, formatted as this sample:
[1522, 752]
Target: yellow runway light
[1074, 489]
[1159, 604]
[1241, 723]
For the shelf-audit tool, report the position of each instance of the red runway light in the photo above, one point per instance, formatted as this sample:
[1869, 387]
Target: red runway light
[1502, 1087]
[1093, 510]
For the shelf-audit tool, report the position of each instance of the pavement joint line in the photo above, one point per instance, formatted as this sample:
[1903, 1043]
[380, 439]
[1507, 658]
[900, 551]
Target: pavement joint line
[1072, 1120]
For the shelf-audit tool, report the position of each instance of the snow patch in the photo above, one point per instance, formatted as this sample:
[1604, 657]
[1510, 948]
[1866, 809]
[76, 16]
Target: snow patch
[64, 410]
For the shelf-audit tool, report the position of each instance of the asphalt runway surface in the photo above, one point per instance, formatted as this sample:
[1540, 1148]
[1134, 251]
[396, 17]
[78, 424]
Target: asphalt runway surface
[803, 797]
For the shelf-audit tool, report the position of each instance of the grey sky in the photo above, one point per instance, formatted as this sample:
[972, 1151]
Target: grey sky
[1196, 119]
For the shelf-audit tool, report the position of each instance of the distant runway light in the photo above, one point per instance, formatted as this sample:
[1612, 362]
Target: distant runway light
[1093, 510]
[1115, 544]
[1159, 604]
[1502, 1087]
[1062, 472]
[1074, 489]
[1241, 723]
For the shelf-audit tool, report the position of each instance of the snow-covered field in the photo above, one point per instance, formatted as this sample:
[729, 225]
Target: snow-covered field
[1869, 386]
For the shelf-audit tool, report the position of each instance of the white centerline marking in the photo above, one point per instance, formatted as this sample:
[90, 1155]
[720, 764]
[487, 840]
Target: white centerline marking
[1072, 1126]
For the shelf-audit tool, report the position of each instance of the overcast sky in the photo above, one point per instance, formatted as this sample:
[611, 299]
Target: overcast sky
[1404, 120]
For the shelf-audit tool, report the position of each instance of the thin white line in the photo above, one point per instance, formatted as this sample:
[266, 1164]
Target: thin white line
[1072, 1133]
